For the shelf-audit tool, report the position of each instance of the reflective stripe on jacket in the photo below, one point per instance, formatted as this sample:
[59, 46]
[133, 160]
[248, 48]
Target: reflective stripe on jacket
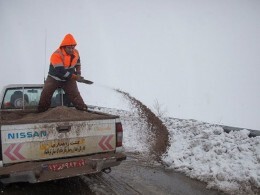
[62, 65]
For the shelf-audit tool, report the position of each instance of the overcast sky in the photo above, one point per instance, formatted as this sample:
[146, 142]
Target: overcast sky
[199, 58]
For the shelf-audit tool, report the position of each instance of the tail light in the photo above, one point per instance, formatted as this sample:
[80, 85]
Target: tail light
[119, 134]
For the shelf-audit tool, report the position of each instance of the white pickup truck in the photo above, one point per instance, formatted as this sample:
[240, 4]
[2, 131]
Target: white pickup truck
[59, 143]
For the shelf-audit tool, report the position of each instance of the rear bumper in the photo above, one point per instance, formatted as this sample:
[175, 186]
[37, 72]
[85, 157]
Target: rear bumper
[34, 172]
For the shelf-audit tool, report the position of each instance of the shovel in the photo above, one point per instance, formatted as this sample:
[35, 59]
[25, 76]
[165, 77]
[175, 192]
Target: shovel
[86, 81]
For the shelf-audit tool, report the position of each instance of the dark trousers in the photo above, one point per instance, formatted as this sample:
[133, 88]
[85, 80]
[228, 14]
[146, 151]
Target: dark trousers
[70, 87]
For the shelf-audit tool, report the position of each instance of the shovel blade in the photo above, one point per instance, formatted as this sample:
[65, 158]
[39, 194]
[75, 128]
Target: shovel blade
[87, 82]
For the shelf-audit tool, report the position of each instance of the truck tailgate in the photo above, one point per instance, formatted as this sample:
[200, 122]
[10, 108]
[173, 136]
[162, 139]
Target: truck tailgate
[30, 142]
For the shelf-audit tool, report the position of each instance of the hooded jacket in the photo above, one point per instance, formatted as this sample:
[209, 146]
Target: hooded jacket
[62, 65]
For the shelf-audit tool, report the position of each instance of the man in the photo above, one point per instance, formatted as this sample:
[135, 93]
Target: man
[64, 71]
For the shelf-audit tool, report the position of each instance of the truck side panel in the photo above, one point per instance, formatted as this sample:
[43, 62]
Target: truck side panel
[29, 142]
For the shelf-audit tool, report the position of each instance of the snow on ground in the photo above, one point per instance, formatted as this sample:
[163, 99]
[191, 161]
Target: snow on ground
[229, 162]
[203, 151]
[136, 133]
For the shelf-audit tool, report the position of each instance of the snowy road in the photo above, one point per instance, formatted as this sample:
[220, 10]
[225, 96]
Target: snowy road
[229, 162]
[134, 176]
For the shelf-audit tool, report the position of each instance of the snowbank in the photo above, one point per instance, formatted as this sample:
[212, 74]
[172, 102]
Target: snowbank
[227, 162]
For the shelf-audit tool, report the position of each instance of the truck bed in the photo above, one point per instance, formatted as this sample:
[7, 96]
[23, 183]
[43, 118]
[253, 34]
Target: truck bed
[58, 114]
[57, 133]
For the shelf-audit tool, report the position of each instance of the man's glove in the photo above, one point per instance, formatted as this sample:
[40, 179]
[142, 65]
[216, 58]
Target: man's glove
[78, 70]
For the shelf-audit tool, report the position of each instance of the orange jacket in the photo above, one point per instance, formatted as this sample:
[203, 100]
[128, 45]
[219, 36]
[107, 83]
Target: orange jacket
[61, 58]
[62, 65]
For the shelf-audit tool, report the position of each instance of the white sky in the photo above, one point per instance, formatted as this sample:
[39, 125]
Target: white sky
[200, 59]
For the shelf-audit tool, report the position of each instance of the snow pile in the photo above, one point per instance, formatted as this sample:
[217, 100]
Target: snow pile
[227, 162]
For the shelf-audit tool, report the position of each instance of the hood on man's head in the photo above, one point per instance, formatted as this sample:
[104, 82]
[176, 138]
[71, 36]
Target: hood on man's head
[68, 40]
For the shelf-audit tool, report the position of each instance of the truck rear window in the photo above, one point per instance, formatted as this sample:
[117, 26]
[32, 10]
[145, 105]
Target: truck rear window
[28, 98]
